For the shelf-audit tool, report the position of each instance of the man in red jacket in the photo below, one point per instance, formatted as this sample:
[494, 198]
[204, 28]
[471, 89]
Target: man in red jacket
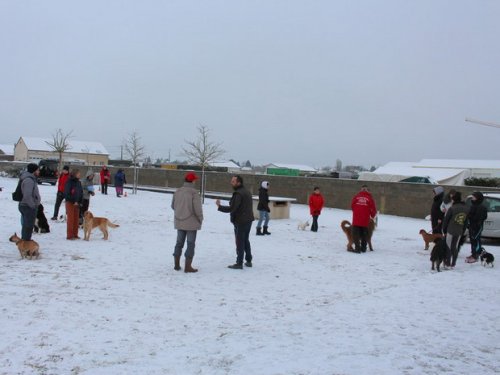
[363, 210]
[60, 190]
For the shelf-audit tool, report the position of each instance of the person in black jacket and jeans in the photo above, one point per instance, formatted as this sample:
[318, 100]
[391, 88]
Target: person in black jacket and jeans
[477, 215]
[263, 208]
[241, 212]
[437, 216]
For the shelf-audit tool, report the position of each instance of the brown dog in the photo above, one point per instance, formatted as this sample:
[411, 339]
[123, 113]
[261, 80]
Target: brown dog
[26, 248]
[90, 222]
[347, 229]
[429, 237]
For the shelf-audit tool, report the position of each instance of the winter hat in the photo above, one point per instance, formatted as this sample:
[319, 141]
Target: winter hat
[32, 167]
[190, 177]
[265, 184]
[457, 197]
[438, 190]
[66, 168]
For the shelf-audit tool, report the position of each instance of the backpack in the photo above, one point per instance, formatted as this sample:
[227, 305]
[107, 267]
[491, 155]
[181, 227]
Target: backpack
[17, 195]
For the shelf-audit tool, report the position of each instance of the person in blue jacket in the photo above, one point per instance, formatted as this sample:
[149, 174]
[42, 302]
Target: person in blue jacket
[120, 180]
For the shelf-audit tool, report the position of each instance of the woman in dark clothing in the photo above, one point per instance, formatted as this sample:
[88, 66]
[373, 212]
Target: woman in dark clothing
[73, 194]
[263, 208]
[477, 215]
[437, 215]
[120, 180]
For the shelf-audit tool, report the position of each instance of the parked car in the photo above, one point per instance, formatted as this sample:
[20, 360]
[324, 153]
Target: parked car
[48, 171]
[491, 227]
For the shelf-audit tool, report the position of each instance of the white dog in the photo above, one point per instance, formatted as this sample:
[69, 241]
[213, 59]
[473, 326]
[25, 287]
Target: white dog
[303, 226]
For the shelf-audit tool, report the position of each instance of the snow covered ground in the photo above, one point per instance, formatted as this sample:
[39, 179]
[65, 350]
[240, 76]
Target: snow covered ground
[306, 307]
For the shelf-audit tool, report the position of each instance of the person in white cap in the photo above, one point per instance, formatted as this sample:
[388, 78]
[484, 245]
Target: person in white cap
[263, 208]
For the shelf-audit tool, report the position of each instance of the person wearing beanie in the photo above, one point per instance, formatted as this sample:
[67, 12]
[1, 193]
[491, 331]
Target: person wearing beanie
[28, 206]
[477, 215]
[263, 208]
[188, 217]
[454, 225]
[61, 182]
[437, 215]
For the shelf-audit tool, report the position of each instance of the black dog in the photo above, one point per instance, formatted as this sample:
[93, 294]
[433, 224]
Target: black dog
[41, 223]
[438, 253]
[486, 258]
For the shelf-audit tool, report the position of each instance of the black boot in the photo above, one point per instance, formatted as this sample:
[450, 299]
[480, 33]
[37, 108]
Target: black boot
[266, 231]
[177, 261]
[259, 232]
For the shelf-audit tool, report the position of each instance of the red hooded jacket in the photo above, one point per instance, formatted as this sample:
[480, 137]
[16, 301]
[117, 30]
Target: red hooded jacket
[63, 177]
[316, 203]
[363, 208]
[105, 175]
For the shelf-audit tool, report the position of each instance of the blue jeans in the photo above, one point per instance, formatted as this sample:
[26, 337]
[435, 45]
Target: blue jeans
[263, 216]
[242, 236]
[28, 216]
[181, 238]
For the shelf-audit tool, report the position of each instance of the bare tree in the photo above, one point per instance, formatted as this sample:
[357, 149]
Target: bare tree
[202, 152]
[135, 150]
[60, 144]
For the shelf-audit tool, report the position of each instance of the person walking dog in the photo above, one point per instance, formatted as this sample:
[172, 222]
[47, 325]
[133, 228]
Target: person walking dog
[73, 194]
[188, 217]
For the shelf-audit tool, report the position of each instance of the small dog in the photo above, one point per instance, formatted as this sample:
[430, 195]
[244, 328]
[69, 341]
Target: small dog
[486, 258]
[429, 237]
[303, 225]
[41, 223]
[347, 229]
[26, 248]
[90, 222]
[438, 253]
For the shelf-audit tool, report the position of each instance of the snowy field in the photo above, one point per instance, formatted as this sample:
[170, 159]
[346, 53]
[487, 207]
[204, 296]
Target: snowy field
[306, 307]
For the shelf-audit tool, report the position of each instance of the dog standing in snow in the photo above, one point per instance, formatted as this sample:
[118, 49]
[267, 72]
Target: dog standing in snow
[303, 225]
[438, 253]
[486, 258]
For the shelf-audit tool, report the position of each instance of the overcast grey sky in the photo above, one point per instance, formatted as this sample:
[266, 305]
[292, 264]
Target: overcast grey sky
[290, 81]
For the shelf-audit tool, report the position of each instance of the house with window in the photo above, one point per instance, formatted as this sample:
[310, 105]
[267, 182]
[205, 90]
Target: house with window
[79, 152]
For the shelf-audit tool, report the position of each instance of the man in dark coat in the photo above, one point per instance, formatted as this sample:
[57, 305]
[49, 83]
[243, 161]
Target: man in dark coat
[437, 215]
[477, 215]
[73, 194]
[241, 212]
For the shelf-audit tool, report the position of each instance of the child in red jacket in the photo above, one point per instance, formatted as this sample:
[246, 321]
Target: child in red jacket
[316, 203]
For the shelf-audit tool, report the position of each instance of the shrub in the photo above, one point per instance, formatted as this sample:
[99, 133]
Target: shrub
[488, 182]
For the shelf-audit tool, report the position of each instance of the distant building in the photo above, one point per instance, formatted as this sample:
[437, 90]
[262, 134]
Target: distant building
[231, 166]
[89, 153]
[436, 171]
[280, 169]
[7, 152]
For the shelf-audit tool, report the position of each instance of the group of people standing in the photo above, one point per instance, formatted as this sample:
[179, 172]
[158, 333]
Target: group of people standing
[71, 189]
[188, 218]
[451, 217]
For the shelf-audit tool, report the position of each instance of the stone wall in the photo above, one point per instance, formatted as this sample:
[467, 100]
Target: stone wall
[400, 199]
